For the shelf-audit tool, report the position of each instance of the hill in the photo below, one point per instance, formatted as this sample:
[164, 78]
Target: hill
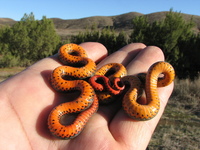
[118, 22]
[7, 21]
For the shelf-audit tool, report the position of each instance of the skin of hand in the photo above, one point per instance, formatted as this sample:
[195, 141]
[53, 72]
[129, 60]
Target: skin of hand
[27, 98]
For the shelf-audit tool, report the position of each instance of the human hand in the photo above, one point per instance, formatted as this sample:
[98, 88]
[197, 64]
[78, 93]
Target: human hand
[27, 98]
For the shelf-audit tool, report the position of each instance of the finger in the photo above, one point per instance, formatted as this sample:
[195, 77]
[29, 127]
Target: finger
[145, 59]
[96, 51]
[139, 132]
[124, 55]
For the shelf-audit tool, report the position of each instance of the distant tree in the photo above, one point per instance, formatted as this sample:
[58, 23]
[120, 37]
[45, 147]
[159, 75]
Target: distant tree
[44, 39]
[168, 34]
[29, 40]
[107, 36]
[121, 40]
[140, 28]
[190, 63]
[2, 34]
[91, 34]
[7, 59]
[108, 39]
[28, 17]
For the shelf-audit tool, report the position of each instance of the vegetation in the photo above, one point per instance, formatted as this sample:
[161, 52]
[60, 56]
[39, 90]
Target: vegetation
[175, 37]
[27, 41]
[108, 37]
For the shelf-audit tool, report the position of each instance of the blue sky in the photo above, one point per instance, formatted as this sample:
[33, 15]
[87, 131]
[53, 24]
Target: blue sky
[75, 9]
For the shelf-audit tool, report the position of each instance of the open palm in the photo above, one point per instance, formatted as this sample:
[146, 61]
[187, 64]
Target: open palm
[27, 98]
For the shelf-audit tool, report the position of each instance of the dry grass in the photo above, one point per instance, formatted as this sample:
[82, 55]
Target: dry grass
[179, 127]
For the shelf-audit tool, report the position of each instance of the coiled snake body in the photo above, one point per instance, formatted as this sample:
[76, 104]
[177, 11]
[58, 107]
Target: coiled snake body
[103, 85]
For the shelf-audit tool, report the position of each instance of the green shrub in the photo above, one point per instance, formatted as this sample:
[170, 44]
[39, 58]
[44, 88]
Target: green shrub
[175, 37]
[28, 40]
[8, 60]
[107, 36]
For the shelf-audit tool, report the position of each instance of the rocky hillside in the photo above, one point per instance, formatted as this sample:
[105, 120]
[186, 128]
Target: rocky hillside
[119, 22]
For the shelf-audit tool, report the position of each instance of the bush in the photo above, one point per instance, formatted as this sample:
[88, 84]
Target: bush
[29, 40]
[175, 37]
[107, 36]
[8, 60]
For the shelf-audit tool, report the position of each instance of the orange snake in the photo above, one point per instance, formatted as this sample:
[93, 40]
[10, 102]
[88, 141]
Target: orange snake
[78, 68]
